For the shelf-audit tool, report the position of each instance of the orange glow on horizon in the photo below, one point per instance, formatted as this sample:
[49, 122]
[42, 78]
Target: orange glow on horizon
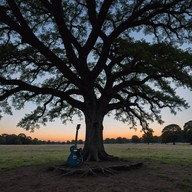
[56, 131]
[47, 134]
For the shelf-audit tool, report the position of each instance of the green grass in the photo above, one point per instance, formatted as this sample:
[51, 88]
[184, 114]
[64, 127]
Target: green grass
[180, 154]
[12, 156]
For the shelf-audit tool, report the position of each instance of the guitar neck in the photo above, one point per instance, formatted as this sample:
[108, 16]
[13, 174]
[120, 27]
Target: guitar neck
[77, 129]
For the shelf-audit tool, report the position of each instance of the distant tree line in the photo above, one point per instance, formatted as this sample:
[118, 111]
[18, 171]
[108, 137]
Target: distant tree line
[170, 134]
[21, 139]
[134, 139]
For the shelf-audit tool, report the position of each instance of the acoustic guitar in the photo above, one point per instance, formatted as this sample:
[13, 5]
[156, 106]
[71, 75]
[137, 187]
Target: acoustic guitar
[75, 158]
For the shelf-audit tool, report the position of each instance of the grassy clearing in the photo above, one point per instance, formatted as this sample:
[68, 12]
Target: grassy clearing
[180, 154]
[12, 156]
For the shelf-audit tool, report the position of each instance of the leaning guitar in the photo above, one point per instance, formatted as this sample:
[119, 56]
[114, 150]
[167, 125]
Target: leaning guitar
[75, 158]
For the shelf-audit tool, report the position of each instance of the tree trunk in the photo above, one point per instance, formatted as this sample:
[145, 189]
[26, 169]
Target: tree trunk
[94, 149]
[174, 139]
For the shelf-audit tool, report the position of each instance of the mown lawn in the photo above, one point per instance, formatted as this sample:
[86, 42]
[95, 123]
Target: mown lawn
[12, 156]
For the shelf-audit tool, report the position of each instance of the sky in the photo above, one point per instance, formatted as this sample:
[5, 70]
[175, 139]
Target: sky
[56, 131]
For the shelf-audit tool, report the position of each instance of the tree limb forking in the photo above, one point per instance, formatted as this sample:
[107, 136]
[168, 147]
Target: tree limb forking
[68, 39]
[96, 27]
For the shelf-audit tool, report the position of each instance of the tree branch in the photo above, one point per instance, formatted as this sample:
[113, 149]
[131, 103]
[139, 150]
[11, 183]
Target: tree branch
[91, 6]
[22, 86]
[68, 39]
[96, 30]
[9, 93]
[152, 10]
[28, 36]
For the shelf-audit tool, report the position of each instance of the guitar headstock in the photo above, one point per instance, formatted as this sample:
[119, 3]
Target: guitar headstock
[78, 126]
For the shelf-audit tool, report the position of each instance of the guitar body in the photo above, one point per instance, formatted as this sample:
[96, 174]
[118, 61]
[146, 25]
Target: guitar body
[75, 158]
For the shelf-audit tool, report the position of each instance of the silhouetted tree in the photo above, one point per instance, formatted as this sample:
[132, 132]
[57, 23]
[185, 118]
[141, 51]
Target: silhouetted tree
[35, 141]
[80, 141]
[80, 57]
[171, 133]
[12, 139]
[121, 140]
[24, 139]
[135, 139]
[110, 140]
[188, 131]
[157, 139]
[147, 137]
[2, 139]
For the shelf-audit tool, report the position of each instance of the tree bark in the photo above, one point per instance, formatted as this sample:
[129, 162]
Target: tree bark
[94, 148]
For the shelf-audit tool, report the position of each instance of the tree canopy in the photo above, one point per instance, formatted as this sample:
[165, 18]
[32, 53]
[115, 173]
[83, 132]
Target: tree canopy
[81, 57]
[171, 132]
[188, 131]
[148, 136]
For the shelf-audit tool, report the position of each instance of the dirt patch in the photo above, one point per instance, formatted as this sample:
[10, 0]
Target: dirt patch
[151, 177]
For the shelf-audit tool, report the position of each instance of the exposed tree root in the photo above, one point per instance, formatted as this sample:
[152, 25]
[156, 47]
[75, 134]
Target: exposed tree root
[94, 171]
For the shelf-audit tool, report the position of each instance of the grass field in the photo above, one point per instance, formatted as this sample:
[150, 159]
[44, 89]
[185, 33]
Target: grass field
[12, 156]
[180, 154]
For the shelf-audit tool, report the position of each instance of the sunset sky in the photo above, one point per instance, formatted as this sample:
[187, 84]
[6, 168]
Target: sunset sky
[59, 132]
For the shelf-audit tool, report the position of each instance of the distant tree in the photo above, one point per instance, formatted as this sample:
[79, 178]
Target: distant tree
[29, 138]
[157, 139]
[188, 131]
[35, 141]
[24, 139]
[12, 139]
[107, 140]
[147, 137]
[135, 139]
[110, 140]
[121, 140]
[2, 139]
[80, 57]
[80, 141]
[171, 133]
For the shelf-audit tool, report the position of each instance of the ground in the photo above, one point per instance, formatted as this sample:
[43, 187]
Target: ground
[151, 177]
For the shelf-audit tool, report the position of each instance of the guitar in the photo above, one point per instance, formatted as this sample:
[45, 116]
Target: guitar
[75, 158]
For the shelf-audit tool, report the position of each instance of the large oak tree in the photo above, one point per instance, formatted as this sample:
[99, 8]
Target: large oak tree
[80, 57]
